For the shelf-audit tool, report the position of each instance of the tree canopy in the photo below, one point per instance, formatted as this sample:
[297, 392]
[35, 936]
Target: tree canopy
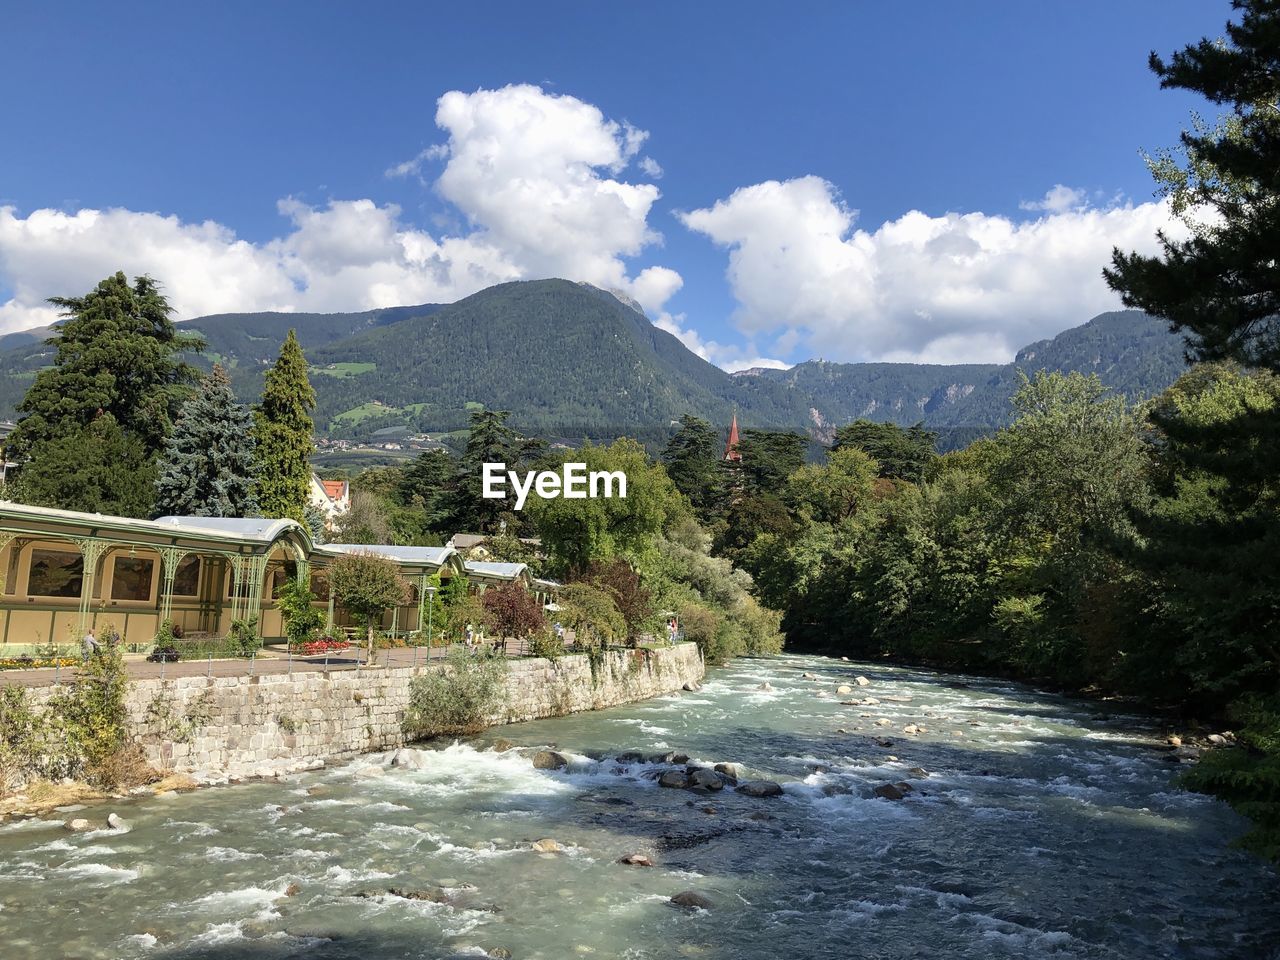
[208, 468]
[93, 423]
[284, 433]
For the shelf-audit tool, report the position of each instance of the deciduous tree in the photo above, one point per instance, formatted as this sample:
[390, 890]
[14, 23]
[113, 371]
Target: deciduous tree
[368, 585]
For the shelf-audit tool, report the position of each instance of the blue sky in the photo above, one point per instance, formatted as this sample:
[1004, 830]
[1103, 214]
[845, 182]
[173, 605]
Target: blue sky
[794, 141]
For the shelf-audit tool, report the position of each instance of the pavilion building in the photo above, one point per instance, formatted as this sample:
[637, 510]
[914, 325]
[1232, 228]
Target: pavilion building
[63, 572]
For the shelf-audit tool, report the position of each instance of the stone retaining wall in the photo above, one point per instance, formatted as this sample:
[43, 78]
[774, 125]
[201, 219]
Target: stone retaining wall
[214, 727]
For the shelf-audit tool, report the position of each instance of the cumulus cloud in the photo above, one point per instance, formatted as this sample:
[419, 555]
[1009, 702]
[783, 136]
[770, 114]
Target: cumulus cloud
[536, 177]
[650, 168]
[528, 169]
[1058, 199]
[730, 357]
[946, 289]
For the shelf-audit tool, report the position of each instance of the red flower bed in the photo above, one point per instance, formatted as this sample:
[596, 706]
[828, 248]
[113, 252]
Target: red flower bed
[316, 647]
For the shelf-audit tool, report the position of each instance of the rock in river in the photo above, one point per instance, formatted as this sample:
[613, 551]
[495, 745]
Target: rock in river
[549, 760]
[674, 779]
[760, 788]
[706, 780]
[887, 791]
[862, 681]
[844, 688]
[547, 845]
[636, 860]
[77, 824]
[691, 900]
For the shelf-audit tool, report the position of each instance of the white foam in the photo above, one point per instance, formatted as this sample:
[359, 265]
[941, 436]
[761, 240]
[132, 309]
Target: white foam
[218, 934]
[341, 874]
[231, 853]
[99, 871]
[257, 901]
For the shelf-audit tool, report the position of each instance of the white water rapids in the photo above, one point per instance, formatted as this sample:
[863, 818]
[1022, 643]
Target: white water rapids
[1038, 827]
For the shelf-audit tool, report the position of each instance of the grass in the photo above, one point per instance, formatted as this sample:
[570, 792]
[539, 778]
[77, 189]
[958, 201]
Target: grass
[343, 371]
[362, 459]
[366, 411]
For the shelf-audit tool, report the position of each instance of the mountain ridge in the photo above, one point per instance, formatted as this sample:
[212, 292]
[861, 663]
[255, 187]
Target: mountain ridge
[572, 359]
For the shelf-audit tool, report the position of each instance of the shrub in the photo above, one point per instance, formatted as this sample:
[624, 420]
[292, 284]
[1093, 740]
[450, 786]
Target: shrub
[367, 585]
[546, 644]
[456, 698]
[593, 615]
[702, 626]
[242, 639]
[1248, 775]
[301, 619]
[79, 733]
[512, 611]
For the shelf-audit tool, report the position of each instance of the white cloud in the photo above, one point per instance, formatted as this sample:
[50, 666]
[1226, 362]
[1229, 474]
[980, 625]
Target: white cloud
[534, 176]
[952, 288]
[726, 356]
[526, 168]
[650, 168]
[1059, 199]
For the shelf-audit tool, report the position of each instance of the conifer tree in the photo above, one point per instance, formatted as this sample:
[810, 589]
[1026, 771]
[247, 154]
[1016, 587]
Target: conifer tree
[490, 441]
[692, 461]
[106, 404]
[208, 465]
[285, 435]
[1220, 286]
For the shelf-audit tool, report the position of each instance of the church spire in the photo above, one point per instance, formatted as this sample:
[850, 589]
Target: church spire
[731, 448]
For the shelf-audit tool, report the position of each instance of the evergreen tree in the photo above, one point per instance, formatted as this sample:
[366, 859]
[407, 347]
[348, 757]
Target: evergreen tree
[208, 465]
[1221, 286]
[901, 453]
[424, 485]
[692, 460]
[490, 441]
[285, 435]
[769, 457]
[96, 469]
[107, 402]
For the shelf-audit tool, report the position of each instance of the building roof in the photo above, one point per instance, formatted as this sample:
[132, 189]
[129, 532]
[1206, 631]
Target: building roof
[334, 489]
[731, 448]
[221, 531]
[496, 571]
[262, 529]
[425, 556]
[465, 541]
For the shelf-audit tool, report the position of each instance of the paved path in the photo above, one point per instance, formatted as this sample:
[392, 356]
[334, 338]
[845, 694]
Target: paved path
[270, 662]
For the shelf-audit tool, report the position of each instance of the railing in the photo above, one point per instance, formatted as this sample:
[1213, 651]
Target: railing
[209, 657]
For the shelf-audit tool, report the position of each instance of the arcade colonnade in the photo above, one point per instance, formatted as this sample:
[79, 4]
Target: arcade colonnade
[63, 572]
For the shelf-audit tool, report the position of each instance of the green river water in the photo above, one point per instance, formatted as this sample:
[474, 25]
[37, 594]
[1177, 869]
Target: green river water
[1045, 827]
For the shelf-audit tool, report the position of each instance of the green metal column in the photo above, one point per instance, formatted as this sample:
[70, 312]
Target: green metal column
[91, 550]
[170, 557]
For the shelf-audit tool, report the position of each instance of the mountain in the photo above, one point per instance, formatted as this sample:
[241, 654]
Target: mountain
[253, 339]
[904, 393]
[568, 358]
[571, 361]
[244, 343]
[1130, 352]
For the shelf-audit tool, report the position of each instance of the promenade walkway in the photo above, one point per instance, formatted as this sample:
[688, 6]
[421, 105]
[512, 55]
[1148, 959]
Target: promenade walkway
[268, 662]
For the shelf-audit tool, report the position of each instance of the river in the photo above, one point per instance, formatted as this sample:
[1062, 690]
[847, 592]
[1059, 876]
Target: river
[1038, 826]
